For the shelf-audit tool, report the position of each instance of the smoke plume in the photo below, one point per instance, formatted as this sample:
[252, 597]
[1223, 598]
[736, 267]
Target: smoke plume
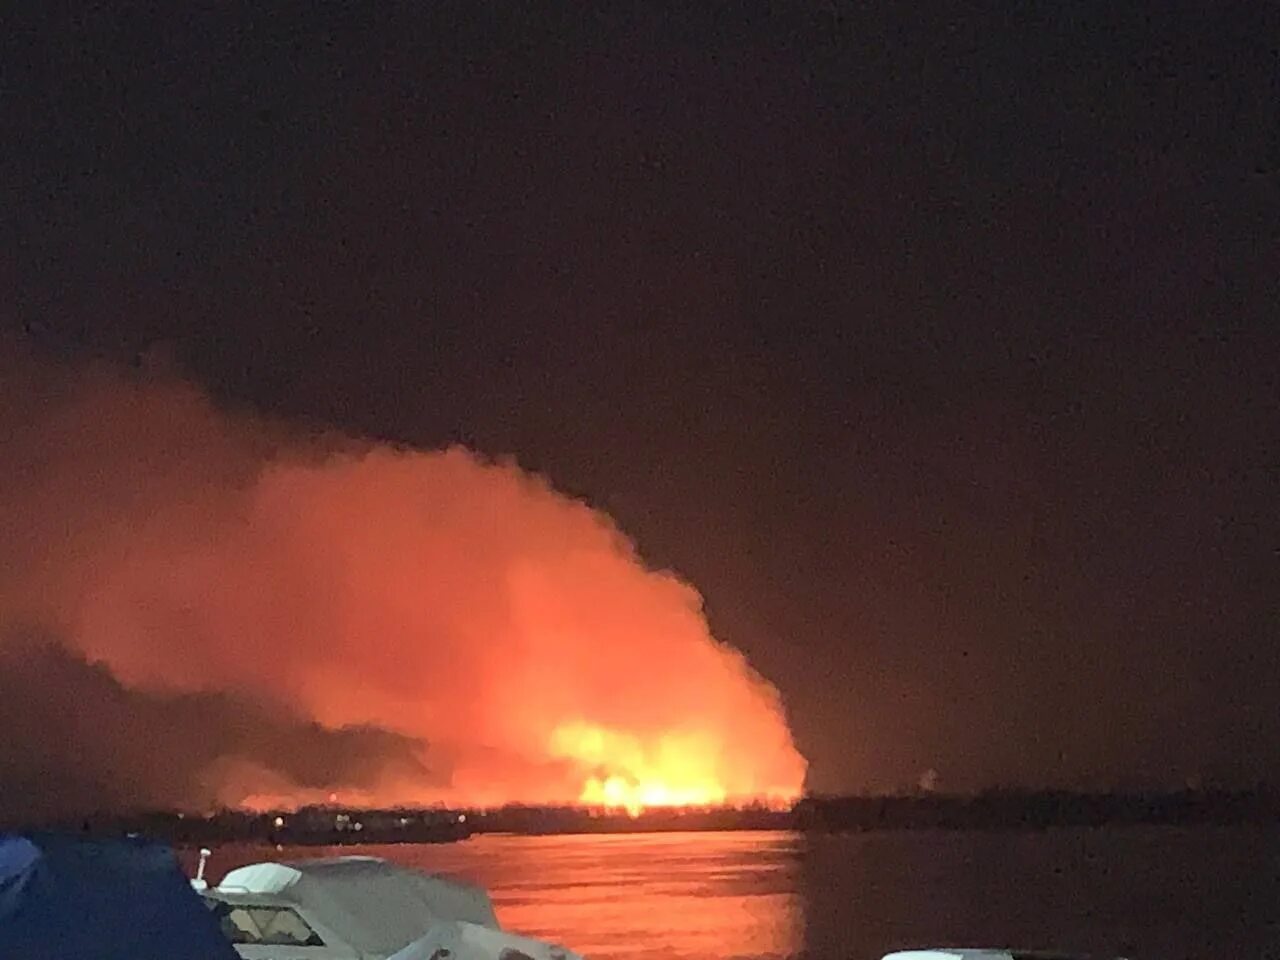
[78, 741]
[278, 616]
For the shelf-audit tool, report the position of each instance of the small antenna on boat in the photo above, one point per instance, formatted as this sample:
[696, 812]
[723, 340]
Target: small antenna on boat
[199, 882]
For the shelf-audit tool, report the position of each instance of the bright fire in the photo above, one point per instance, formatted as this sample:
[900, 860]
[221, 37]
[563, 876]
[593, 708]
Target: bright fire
[676, 770]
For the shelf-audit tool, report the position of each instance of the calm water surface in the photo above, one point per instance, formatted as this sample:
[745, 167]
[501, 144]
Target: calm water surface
[1145, 893]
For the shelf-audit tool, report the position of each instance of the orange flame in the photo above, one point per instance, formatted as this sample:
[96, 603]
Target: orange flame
[677, 770]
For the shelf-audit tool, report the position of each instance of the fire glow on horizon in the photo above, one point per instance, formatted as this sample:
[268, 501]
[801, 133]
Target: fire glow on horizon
[679, 770]
[507, 643]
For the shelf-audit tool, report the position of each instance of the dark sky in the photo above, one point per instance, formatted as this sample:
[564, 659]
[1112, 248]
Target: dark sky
[938, 347]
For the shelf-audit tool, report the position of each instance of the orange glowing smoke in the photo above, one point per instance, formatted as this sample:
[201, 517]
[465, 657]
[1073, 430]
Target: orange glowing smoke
[512, 630]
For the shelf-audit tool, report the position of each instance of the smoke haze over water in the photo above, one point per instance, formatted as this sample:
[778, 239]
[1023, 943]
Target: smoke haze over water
[278, 616]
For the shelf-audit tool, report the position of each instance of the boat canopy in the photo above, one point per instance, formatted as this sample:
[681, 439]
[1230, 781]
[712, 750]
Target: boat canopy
[375, 906]
[65, 896]
[459, 940]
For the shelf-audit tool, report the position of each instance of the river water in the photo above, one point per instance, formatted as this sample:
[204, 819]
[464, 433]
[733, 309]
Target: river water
[1139, 892]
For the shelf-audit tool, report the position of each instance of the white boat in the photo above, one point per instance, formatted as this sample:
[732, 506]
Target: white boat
[361, 908]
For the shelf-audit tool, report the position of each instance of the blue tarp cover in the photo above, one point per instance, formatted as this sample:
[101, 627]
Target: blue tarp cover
[67, 898]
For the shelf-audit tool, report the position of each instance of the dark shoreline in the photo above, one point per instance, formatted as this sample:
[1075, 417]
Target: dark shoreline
[1027, 810]
[991, 811]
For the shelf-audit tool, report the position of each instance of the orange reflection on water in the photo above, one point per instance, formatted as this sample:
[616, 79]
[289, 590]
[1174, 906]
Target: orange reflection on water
[674, 896]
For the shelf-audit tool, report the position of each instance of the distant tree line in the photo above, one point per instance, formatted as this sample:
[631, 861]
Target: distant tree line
[995, 809]
[1013, 808]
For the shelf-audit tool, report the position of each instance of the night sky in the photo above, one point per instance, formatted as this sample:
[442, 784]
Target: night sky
[936, 345]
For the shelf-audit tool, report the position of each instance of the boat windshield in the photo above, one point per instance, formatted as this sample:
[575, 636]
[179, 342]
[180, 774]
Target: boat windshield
[264, 925]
